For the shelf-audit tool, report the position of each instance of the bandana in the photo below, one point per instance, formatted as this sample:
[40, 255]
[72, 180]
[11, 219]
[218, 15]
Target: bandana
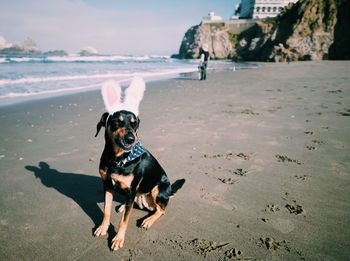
[135, 153]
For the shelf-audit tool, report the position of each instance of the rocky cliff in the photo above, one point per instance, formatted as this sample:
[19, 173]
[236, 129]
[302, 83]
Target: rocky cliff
[306, 31]
[215, 35]
[340, 49]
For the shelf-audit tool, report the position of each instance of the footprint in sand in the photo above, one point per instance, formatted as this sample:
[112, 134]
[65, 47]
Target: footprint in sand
[244, 156]
[271, 243]
[234, 254]
[295, 208]
[272, 208]
[309, 132]
[281, 158]
[311, 147]
[319, 142]
[335, 91]
[301, 177]
[249, 112]
[239, 172]
[345, 112]
[228, 181]
[202, 246]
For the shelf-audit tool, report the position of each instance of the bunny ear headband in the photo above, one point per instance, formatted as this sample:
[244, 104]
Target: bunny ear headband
[112, 96]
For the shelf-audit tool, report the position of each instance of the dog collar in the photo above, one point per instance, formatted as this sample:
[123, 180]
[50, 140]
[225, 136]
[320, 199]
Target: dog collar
[136, 152]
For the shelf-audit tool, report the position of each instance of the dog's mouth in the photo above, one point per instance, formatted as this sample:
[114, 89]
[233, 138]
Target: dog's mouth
[126, 142]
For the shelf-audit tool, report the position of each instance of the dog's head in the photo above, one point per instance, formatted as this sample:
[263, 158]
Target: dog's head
[121, 121]
[121, 128]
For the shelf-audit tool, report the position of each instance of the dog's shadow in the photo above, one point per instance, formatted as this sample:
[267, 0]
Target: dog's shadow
[85, 190]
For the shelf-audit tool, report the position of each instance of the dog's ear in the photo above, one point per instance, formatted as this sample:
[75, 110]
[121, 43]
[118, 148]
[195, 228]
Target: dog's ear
[111, 94]
[102, 122]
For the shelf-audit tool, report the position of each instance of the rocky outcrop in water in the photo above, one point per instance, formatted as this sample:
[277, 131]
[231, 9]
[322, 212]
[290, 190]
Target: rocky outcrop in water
[306, 31]
[56, 53]
[88, 51]
[27, 47]
[215, 35]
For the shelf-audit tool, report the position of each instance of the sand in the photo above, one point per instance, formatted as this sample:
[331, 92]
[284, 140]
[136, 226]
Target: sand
[265, 154]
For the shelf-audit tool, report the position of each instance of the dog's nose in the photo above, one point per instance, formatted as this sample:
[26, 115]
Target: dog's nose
[129, 138]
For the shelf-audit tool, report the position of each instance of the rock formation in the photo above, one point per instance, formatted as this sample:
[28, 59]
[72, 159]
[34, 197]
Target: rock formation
[27, 47]
[56, 53]
[306, 31]
[340, 49]
[88, 51]
[215, 35]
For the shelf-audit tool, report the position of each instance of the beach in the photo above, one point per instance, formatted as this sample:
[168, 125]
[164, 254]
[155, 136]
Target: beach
[265, 154]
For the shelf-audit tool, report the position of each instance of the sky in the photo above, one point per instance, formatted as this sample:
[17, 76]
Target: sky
[135, 27]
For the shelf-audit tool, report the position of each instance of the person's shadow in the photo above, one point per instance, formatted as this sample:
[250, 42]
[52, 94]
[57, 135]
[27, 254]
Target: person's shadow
[85, 190]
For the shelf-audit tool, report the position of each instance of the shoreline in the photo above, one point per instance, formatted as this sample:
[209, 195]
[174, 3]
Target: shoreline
[14, 99]
[265, 155]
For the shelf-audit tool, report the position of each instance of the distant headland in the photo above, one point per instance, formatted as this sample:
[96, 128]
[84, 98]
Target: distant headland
[301, 30]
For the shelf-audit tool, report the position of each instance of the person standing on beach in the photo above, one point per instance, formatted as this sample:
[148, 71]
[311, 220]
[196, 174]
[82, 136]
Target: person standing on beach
[204, 58]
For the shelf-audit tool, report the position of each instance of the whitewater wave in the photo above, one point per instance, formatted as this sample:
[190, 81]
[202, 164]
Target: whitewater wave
[52, 92]
[77, 59]
[29, 80]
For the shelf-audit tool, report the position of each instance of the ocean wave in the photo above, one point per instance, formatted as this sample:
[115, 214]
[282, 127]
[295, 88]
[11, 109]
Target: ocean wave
[30, 80]
[120, 77]
[79, 59]
[50, 92]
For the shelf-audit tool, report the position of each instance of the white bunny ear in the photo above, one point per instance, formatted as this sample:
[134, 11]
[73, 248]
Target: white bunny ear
[111, 94]
[134, 95]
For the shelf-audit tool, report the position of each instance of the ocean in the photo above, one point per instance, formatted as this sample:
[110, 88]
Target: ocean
[27, 77]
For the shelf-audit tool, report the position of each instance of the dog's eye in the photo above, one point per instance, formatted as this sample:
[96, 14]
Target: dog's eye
[133, 124]
[121, 123]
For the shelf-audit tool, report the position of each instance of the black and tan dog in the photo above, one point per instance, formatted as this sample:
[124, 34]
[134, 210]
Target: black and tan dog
[128, 168]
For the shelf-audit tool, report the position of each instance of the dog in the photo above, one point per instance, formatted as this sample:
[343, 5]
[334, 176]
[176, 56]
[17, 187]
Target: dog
[126, 166]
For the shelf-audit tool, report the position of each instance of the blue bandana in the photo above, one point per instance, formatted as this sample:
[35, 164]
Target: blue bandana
[136, 152]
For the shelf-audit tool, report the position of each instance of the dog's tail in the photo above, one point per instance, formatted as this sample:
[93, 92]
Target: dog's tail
[176, 186]
[166, 191]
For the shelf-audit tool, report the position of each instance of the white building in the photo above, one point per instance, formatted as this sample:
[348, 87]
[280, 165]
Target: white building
[211, 17]
[262, 8]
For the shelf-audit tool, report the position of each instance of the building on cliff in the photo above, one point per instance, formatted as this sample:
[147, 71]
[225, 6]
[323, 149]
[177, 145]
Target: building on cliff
[211, 17]
[257, 9]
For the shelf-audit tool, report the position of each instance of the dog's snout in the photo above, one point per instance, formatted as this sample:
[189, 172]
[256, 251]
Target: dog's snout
[129, 138]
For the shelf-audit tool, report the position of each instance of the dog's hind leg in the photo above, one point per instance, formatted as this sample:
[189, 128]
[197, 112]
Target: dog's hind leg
[102, 229]
[148, 222]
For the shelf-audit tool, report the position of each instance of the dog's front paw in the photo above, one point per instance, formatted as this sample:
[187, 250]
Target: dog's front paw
[118, 241]
[101, 230]
[148, 222]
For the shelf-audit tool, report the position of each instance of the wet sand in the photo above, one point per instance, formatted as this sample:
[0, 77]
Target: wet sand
[265, 154]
